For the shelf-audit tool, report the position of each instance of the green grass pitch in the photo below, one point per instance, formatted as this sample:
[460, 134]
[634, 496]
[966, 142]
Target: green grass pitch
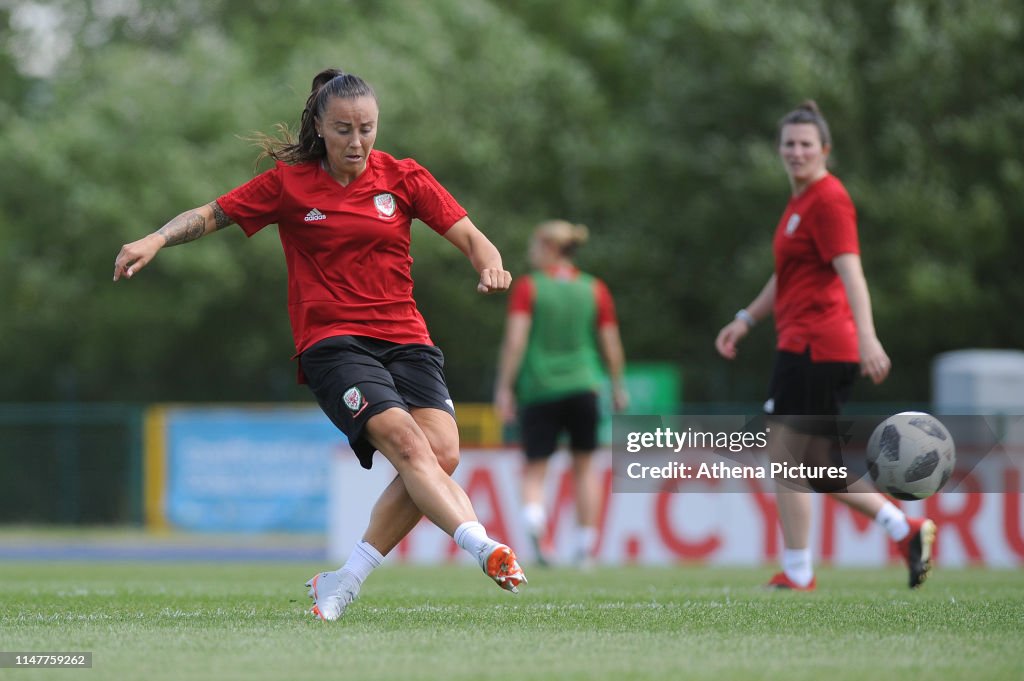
[187, 620]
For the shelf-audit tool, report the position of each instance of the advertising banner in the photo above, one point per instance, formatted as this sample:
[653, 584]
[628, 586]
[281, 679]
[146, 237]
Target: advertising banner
[714, 520]
[246, 469]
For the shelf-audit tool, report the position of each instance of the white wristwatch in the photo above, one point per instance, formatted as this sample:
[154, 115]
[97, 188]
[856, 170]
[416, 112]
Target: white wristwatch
[747, 318]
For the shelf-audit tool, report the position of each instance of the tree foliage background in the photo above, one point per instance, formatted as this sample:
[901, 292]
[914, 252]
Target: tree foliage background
[652, 121]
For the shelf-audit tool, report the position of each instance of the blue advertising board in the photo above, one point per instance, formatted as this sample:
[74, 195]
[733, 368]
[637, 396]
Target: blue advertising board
[245, 469]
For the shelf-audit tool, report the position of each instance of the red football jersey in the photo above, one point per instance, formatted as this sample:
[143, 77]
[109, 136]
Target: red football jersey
[811, 308]
[347, 247]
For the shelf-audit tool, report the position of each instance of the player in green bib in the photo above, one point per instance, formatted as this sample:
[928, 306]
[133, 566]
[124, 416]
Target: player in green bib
[560, 336]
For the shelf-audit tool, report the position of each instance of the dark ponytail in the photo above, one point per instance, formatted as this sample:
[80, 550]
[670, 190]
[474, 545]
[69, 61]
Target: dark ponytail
[327, 84]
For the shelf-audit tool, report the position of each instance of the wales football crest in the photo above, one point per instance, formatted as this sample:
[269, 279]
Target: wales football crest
[385, 204]
[353, 399]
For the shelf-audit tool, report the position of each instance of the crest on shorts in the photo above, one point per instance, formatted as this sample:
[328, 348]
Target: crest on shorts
[385, 204]
[353, 399]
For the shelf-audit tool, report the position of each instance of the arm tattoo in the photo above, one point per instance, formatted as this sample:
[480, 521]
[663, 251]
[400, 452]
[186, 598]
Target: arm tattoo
[220, 218]
[186, 227]
[191, 225]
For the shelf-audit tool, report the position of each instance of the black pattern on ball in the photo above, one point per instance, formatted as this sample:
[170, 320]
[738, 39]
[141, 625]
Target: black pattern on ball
[900, 494]
[922, 467]
[929, 426]
[889, 446]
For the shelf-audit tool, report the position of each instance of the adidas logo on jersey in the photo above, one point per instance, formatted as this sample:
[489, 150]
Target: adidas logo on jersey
[314, 215]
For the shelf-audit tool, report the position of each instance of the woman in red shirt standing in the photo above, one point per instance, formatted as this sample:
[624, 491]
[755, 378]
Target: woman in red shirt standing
[344, 212]
[826, 333]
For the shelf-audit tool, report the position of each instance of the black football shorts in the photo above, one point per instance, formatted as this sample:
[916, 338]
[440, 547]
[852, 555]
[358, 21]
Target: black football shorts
[541, 423]
[800, 387]
[356, 377]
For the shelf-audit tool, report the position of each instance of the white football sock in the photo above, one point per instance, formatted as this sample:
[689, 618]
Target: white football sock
[797, 565]
[535, 517]
[362, 561]
[893, 520]
[586, 542]
[472, 537]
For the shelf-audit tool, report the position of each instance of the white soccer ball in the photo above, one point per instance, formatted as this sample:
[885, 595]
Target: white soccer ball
[910, 455]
